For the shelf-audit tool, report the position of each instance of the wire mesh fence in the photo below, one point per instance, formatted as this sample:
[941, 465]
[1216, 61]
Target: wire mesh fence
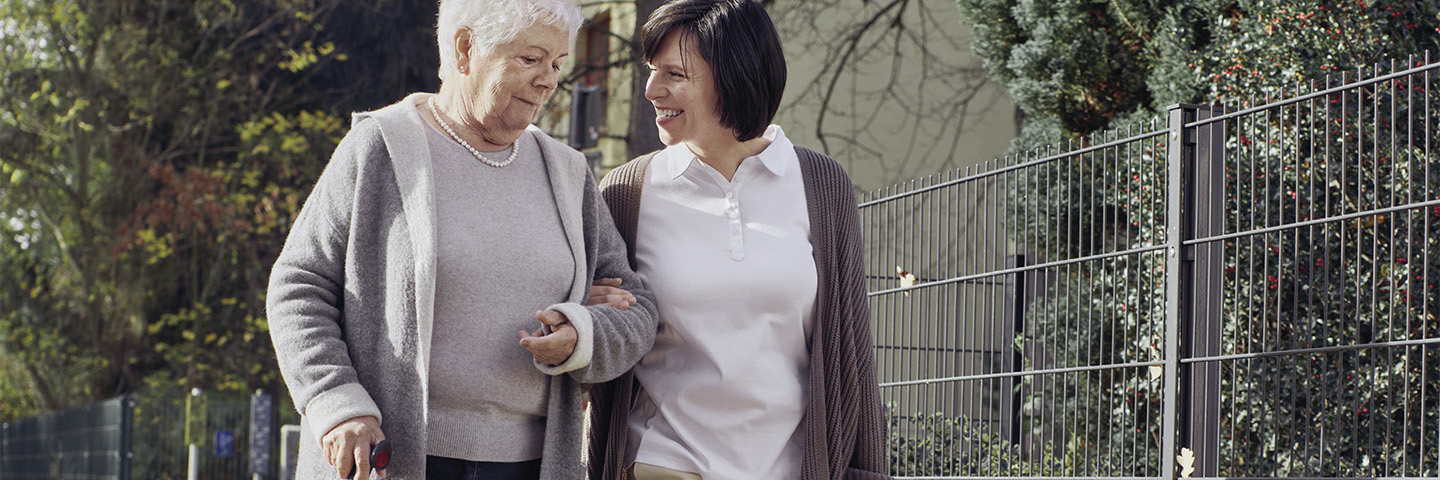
[1327, 355]
[1002, 360]
[141, 436]
[82, 442]
[1239, 291]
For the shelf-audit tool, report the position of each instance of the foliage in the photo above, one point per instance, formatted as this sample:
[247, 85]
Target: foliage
[1359, 281]
[1082, 67]
[154, 153]
[1100, 314]
[1083, 63]
[942, 445]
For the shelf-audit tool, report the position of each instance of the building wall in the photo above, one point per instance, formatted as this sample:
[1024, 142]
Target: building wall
[893, 114]
[610, 145]
[896, 110]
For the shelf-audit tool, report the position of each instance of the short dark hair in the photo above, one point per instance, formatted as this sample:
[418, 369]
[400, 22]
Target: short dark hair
[742, 47]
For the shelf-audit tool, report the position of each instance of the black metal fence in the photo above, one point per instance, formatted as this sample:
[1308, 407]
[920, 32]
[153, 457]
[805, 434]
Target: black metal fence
[142, 437]
[92, 441]
[1237, 291]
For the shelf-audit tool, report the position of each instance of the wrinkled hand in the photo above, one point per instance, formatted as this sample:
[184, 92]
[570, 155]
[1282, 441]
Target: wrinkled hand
[607, 291]
[553, 348]
[348, 446]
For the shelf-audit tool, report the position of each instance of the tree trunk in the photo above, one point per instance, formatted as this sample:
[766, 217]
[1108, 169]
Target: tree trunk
[47, 397]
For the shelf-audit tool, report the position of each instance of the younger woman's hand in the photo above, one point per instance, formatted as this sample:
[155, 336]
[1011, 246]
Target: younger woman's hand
[607, 291]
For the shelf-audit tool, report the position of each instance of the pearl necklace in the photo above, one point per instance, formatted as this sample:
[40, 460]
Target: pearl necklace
[515, 147]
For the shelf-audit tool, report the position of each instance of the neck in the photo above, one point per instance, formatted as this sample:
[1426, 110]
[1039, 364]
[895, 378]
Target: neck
[725, 156]
[454, 109]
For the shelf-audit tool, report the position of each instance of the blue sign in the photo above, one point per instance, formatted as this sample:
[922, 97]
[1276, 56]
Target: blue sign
[262, 413]
[224, 443]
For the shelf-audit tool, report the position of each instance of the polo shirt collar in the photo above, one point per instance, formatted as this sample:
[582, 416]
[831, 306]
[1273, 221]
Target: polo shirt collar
[676, 159]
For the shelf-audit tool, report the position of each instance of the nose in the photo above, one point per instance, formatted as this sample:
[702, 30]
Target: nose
[548, 79]
[653, 91]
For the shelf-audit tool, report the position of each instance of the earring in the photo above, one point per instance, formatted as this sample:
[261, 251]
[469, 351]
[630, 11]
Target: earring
[463, 69]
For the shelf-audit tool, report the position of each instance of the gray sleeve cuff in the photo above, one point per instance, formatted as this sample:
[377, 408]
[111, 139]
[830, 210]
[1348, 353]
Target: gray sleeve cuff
[580, 318]
[332, 408]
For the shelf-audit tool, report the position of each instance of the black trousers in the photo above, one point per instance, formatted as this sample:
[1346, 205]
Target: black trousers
[442, 468]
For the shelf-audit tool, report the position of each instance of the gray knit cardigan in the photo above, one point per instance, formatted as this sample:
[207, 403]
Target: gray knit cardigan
[844, 425]
[351, 297]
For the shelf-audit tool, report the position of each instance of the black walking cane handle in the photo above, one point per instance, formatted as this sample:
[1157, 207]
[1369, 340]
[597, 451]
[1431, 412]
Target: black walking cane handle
[379, 457]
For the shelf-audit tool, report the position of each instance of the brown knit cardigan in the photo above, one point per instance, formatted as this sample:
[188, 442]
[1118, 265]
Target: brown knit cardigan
[844, 425]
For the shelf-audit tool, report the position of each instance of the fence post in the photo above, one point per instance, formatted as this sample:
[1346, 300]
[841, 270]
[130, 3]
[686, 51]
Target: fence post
[1201, 318]
[1178, 149]
[262, 413]
[1013, 322]
[127, 435]
[194, 429]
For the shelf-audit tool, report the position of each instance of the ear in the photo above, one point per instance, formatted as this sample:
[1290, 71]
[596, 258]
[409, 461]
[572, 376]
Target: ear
[462, 47]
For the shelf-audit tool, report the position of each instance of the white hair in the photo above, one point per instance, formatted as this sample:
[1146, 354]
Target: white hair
[494, 22]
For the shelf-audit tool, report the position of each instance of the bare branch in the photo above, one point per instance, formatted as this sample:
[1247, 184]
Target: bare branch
[854, 41]
[880, 60]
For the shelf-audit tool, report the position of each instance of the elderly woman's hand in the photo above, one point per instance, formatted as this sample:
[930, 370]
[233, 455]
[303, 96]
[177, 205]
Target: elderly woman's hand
[607, 291]
[348, 446]
[553, 348]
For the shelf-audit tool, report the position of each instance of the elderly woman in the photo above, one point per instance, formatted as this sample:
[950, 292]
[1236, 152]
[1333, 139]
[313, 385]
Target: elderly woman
[430, 291]
[762, 368]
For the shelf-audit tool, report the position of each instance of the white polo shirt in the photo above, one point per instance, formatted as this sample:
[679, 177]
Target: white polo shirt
[734, 278]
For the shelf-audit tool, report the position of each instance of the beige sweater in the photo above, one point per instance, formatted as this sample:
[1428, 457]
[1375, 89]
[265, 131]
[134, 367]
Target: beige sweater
[844, 425]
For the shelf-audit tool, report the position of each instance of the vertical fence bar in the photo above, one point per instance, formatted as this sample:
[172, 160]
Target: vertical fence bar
[1308, 319]
[1375, 355]
[1358, 206]
[1389, 221]
[1264, 140]
[1040, 399]
[1246, 280]
[1298, 190]
[1409, 255]
[1424, 252]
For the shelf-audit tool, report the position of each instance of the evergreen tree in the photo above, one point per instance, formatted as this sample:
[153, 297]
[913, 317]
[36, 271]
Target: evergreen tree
[1079, 67]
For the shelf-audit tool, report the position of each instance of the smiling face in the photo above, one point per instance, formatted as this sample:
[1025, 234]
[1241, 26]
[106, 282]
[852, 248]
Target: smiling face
[504, 88]
[682, 88]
